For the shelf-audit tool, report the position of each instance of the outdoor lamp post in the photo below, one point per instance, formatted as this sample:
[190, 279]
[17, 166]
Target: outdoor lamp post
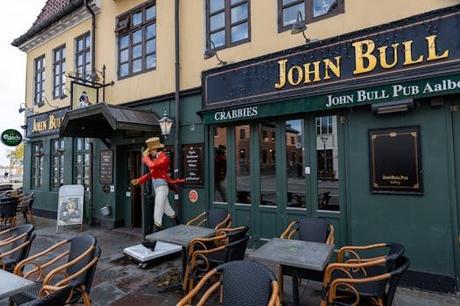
[166, 124]
[324, 139]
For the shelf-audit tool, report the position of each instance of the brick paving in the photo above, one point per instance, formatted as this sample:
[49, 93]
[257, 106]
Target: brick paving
[121, 282]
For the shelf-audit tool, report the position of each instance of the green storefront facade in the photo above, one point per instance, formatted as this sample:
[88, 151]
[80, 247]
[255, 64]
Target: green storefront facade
[294, 134]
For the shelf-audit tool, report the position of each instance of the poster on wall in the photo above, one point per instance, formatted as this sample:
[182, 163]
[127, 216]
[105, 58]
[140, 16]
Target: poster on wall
[192, 164]
[395, 161]
[106, 167]
[83, 95]
[70, 205]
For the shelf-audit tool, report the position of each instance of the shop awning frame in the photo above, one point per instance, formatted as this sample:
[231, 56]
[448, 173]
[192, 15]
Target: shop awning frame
[102, 120]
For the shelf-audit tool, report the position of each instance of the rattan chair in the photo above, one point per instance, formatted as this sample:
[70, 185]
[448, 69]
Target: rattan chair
[360, 254]
[58, 298]
[25, 206]
[310, 229]
[78, 271]
[15, 245]
[306, 229]
[355, 287]
[208, 253]
[8, 208]
[240, 283]
[214, 218]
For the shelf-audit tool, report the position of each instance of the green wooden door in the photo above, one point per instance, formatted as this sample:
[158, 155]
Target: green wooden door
[265, 174]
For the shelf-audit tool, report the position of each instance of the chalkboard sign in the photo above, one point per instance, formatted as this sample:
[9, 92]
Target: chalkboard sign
[106, 168]
[396, 160]
[192, 157]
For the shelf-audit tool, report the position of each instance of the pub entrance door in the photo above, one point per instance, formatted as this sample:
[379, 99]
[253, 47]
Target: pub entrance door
[132, 162]
[267, 174]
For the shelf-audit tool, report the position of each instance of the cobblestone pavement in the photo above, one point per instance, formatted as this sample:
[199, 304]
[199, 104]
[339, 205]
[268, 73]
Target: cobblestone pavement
[121, 282]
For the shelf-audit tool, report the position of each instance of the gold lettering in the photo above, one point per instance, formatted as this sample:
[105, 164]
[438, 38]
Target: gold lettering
[408, 59]
[282, 74]
[39, 126]
[295, 70]
[52, 123]
[432, 56]
[383, 56]
[362, 54]
[309, 73]
[334, 68]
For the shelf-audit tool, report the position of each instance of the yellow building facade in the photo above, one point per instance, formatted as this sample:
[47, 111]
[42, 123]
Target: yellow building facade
[278, 112]
[264, 39]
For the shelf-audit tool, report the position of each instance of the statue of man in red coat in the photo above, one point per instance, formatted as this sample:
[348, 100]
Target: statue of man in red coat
[158, 163]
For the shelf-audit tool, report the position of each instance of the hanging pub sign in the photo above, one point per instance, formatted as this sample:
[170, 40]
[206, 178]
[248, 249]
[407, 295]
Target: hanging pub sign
[192, 165]
[395, 160]
[83, 95]
[11, 137]
[338, 72]
[45, 123]
[106, 167]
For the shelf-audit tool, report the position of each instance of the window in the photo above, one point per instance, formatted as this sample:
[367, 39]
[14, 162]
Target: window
[311, 10]
[227, 22]
[83, 56]
[59, 72]
[324, 125]
[37, 164]
[82, 162]
[39, 80]
[57, 163]
[242, 134]
[137, 51]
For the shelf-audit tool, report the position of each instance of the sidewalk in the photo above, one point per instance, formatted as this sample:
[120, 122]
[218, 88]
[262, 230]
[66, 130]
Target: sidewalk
[120, 282]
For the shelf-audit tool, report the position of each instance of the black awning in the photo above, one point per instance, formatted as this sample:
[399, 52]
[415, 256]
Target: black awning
[101, 120]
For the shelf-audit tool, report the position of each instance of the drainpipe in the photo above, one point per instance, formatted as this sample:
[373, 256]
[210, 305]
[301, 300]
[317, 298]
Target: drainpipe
[177, 149]
[93, 35]
[93, 70]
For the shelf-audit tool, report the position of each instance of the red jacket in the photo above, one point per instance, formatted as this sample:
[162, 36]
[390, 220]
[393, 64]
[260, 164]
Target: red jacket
[158, 169]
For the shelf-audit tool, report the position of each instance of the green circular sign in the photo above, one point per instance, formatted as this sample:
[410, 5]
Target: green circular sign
[11, 138]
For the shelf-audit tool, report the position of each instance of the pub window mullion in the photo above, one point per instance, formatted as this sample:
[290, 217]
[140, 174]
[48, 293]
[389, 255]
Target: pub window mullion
[308, 11]
[228, 21]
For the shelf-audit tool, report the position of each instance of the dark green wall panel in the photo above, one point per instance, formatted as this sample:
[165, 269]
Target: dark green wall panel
[421, 223]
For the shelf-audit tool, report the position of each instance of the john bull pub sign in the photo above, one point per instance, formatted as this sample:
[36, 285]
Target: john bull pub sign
[45, 123]
[413, 58]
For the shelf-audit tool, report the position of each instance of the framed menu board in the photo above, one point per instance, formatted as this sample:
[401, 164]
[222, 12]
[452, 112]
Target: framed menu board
[106, 167]
[192, 164]
[395, 161]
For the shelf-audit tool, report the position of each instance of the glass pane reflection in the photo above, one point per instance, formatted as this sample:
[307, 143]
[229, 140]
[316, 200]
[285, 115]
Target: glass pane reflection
[243, 180]
[323, 7]
[268, 164]
[327, 163]
[220, 164]
[295, 156]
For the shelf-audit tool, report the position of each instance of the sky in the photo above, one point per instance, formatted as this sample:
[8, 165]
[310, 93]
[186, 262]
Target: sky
[17, 18]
